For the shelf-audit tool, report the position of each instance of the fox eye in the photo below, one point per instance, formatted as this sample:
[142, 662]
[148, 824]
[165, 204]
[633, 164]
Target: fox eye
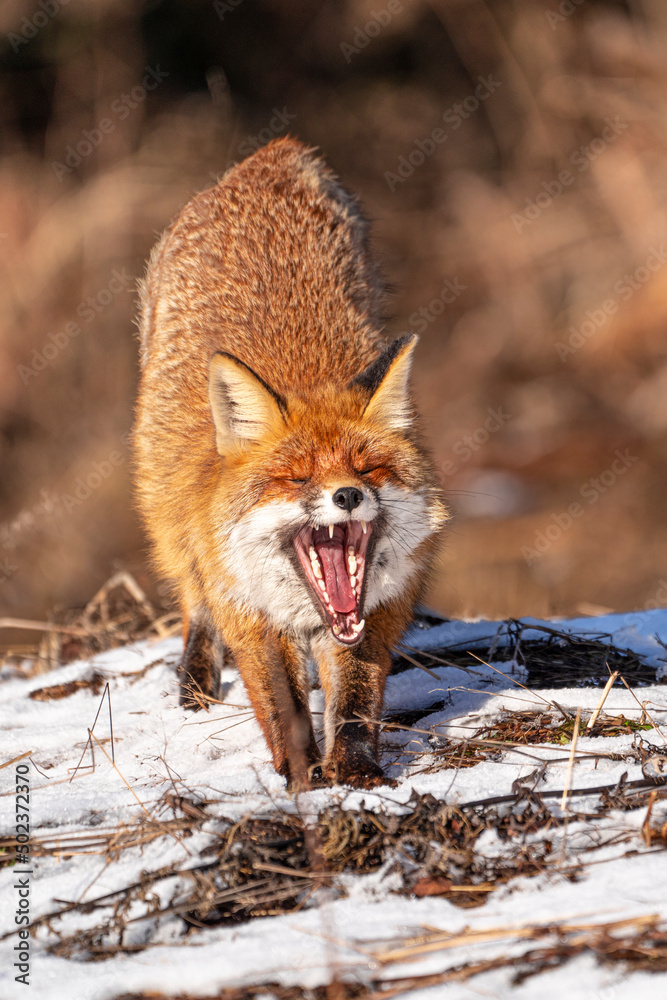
[367, 472]
[300, 481]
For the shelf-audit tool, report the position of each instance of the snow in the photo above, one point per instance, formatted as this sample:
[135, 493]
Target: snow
[159, 748]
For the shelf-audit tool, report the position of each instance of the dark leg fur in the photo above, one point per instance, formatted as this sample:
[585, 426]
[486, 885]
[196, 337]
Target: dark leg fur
[354, 690]
[275, 678]
[199, 672]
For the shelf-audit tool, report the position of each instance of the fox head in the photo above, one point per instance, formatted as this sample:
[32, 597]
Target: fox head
[330, 496]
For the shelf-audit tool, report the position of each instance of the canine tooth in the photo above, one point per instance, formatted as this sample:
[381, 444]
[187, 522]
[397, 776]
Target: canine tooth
[331, 527]
[364, 527]
[352, 565]
[358, 628]
[336, 629]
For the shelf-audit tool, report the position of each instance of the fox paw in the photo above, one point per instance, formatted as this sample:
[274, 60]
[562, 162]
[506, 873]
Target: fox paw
[359, 771]
[307, 778]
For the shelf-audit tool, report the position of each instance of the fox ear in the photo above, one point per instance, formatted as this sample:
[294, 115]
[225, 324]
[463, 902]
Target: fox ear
[386, 381]
[244, 408]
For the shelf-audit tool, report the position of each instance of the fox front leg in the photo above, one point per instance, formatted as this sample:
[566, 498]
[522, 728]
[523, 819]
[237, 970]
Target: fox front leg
[275, 677]
[203, 657]
[353, 682]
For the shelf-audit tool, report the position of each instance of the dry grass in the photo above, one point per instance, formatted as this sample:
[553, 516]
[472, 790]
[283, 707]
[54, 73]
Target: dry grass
[275, 862]
[530, 728]
[638, 944]
[118, 614]
[561, 659]
[493, 347]
[272, 864]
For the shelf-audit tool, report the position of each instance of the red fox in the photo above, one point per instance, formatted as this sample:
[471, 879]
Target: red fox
[280, 472]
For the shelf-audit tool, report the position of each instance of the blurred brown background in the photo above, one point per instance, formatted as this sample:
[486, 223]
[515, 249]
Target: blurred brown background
[512, 157]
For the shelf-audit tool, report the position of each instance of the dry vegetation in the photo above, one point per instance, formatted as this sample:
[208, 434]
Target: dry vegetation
[274, 863]
[118, 614]
[279, 861]
[639, 944]
[459, 216]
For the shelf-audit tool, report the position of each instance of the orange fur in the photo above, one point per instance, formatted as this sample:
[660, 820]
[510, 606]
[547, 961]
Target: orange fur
[260, 312]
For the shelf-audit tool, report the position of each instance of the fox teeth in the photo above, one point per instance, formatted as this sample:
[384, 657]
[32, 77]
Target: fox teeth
[364, 527]
[315, 563]
[331, 527]
[357, 628]
[322, 585]
[336, 629]
[352, 565]
[353, 581]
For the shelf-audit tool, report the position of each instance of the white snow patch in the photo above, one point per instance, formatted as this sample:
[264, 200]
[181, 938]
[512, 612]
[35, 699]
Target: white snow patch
[221, 756]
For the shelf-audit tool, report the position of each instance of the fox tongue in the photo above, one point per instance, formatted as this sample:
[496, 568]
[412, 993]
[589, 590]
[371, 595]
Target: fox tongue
[340, 593]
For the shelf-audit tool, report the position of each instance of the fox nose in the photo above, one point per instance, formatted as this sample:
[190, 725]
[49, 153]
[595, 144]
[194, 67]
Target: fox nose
[347, 498]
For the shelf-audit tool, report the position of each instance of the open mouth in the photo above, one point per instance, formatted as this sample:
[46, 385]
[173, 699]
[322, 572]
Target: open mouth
[334, 561]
